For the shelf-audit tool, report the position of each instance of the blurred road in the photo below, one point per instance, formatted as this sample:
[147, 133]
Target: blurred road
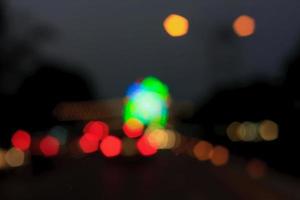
[165, 176]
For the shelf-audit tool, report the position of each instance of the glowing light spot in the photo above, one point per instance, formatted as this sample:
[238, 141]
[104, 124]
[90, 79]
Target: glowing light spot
[244, 26]
[232, 131]
[132, 89]
[202, 150]
[49, 146]
[176, 25]
[15, 157]
[111, 146]
[256, 169]
[154, 85]
[248, 131]
[98, 128]
[3, 163]
[89, 143]
[145, 147]
[219, 156]
[268, 130]
[171, 140]
[129, 148]
[178, 140]
[158, 138]
[21, 139]
[133, 128]
[148, 103]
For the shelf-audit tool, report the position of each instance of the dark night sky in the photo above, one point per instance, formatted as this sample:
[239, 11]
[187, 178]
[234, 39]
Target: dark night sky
[117, 41]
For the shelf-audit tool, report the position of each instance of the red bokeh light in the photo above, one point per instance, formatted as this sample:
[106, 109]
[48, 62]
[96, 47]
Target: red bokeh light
[132, 132]
[145, 148]
[89, 143]
[21, 140]
[111, 146]
[49, 146]
[98, 128]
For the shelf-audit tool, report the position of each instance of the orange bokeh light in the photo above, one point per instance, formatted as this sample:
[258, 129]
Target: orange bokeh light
[244, 26]
[202, 150]
[219, 156]
[268, 130]
[176, 25]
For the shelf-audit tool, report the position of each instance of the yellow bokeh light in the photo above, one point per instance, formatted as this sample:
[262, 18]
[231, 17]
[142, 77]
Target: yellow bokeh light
[171, 139]
[268, 130]
[244, 26]
[202, 150]
[3, 163]
[15, 157]
[232, 131]
[178, 140]
[176, 25]
[219, 156]
[247, 132]
[134, 124]
[158, 138]
[163, 138]
[174, 140]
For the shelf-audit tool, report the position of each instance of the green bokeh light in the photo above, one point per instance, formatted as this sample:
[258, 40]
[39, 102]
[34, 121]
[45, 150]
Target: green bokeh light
[155, 85]
[149, 103]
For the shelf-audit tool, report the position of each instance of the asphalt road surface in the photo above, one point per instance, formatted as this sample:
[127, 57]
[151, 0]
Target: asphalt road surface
[164, 176]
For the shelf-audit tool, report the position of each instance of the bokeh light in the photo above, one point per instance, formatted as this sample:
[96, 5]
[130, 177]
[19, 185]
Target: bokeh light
[176, 25]
[232, 131]
[3, 163]
[133, 128]
[203, 150]
[268, 130]
[111, 146]
[154, 85]
[21, 140]
[148, 103]
[98, 128]
[244, 26]
[172, 141]
[49, 146]
[178, 140]
[219, 156]
[147, 107]
[132, 89]
[15, 157]
[145, 147]
[161, 138]
[157, 138]
[248, 131]
[128, 147]
[88, 143]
